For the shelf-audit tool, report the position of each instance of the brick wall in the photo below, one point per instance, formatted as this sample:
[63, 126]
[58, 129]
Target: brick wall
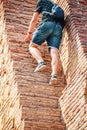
[40, 102]
[10, 110]
[73, 53]
[34, 91]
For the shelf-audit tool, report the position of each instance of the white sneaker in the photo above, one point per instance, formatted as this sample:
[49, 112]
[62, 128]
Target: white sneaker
[40, 67]
[53, 79]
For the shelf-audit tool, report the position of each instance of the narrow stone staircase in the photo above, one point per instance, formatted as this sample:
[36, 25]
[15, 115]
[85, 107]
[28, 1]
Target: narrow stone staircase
[40, 101]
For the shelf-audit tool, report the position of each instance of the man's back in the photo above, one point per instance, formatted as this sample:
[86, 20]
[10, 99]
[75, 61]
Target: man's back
[48, 31]
[45, 6]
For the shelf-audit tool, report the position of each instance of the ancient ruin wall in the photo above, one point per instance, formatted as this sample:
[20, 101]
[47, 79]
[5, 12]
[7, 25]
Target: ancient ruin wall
[10, 110]
[73, 53]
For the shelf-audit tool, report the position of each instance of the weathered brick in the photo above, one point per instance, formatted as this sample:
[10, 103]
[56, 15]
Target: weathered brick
[73, 48]
[9, 99]
[39, 100]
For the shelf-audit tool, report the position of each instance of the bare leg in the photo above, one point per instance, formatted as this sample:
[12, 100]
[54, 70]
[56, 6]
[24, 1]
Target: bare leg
[37, 55]
[55, 60]
[35, 52]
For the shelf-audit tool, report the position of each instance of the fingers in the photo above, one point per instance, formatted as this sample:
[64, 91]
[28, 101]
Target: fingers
[28, 38]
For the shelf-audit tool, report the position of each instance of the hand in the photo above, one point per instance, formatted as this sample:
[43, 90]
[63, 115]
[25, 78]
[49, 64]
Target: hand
[28, 37]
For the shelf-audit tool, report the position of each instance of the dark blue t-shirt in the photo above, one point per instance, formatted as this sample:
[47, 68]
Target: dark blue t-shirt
[42, 6]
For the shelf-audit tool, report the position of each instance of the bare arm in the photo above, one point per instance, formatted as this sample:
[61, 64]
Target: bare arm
[33, 22]
[32, 26]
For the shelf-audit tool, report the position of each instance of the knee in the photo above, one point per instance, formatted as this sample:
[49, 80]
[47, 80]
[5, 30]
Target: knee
[54, 53]
[32, 46]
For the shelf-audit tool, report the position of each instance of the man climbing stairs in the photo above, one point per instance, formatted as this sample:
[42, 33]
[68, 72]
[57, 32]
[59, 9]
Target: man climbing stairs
[39, 100]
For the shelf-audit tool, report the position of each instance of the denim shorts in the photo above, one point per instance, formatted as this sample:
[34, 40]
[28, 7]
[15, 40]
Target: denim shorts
[50, 32]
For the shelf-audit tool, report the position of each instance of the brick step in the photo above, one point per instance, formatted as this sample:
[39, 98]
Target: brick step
[41, 114]
[27, 65]
[44, 80]
[39, 77]
[41, 90]
[44, 102]
[38, 125]
[26, 75]
[30, 67]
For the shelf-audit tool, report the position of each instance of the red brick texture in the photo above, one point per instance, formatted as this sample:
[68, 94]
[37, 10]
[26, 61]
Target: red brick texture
[74, 60]
[47, 107]
[40, 102]
[10, 110]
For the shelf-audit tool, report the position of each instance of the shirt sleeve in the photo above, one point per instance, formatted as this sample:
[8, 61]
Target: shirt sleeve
[38, 6]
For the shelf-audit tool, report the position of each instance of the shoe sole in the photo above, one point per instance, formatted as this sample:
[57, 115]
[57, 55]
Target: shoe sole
[41, 68]
[53, 81]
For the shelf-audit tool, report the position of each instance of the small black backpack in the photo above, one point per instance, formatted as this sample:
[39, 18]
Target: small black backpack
[58, 14]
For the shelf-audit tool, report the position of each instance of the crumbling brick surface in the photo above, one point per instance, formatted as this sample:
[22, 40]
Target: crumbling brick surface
[74, 59]
[40, 102]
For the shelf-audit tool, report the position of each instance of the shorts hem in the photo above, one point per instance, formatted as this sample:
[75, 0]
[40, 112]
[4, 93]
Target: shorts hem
[53, 47]
[39, 44]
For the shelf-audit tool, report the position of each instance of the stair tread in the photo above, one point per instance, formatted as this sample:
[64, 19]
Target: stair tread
[38, 125]
[39, 100]
[44, 102]
[41, 114]
[40, 90]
